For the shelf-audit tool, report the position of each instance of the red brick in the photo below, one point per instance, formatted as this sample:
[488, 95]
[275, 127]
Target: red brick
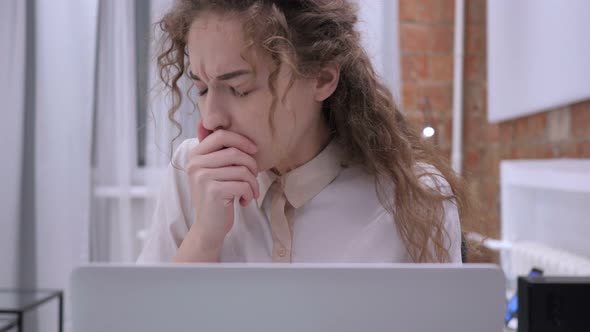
[520, 152]
[408, 10]
[441, 67]
[491, 161]
[475, 11]
[520, 129]
[409, 96]
[475, 39]
[472, 130]
[414, 67]
[442, 39]
[429, 11]
[545, 151]
[492, 224]
[583, 149]
[415, 38]
[475, 68]
[506, 133]
[439, 96]
[474, 98]
[493, 131]
[444, 131]
[426, 11]
[472, 161]
[538, 125]
[530, 129]
[416, 118]
[447, 11]
[567, 150]
[489, 194]
[580, 120]
[535, 151]
[507, 152]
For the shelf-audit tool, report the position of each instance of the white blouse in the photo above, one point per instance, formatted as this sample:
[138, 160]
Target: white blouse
[333, 212]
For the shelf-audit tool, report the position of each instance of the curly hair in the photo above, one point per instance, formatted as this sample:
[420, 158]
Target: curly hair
[308, 35]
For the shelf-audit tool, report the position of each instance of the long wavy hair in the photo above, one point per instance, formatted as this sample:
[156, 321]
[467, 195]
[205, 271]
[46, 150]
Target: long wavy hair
[307, 35]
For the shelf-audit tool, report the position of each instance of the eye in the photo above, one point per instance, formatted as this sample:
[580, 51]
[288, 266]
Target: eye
[238, 93]
[202, 92]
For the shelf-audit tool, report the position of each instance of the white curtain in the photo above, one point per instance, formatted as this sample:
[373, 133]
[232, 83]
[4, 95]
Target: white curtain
[12, 92]
[125, 187]
[46, 93]
[161, 131]
[65, 41]
[115, 136]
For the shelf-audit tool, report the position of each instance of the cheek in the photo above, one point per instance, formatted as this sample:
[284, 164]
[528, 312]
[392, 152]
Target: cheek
[250, 118]
[253, 112]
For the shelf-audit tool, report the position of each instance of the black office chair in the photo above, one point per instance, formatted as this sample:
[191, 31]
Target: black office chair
[463, 249]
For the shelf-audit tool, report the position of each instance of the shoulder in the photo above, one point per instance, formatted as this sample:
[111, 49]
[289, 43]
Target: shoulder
[432, 178]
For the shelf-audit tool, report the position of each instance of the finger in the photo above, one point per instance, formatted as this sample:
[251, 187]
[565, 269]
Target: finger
[229, 190]
[202, 132]
[225, 158]
[225, 139]
[234, 173]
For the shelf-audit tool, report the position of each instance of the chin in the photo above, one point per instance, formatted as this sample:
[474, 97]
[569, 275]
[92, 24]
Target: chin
[263, 163]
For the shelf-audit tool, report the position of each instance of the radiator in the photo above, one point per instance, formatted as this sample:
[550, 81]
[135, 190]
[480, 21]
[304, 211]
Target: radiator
[525, 255]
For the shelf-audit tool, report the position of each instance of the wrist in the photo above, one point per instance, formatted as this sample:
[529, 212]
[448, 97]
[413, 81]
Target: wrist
[197, 247]
[208, 246]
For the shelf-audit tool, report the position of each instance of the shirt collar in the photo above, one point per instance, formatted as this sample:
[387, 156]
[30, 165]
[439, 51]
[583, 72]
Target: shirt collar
[306, 181]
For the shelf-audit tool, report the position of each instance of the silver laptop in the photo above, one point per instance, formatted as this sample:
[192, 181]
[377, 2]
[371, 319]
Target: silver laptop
[288, 298]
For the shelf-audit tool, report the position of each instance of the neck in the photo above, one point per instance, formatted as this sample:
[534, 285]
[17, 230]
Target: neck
[308, 147]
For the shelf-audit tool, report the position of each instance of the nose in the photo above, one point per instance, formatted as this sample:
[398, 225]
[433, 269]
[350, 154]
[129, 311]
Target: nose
[214, 112]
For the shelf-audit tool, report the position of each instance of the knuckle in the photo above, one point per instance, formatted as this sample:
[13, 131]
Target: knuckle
[235, 153]
[244, 171]
[191, 167]
[200, 175]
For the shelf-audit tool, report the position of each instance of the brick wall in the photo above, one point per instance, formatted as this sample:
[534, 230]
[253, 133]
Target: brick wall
[426, 40]
[426, 28]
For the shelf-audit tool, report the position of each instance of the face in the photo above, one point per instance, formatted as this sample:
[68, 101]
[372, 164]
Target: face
[232, 97]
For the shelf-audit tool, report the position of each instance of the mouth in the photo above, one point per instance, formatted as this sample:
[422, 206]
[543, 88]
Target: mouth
[203, 132]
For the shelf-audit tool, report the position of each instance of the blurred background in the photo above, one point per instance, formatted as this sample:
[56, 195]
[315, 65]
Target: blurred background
[502, 87]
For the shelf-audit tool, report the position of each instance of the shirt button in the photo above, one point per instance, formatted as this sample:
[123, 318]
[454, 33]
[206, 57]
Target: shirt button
[282, 252]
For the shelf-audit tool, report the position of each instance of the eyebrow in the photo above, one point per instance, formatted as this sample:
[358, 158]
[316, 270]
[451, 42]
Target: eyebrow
[224, 77]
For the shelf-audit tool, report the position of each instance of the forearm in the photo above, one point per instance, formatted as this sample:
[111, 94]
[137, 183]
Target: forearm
[195, 249]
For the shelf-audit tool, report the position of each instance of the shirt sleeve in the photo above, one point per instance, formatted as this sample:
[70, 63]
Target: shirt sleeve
[452, 225]
[173, 213]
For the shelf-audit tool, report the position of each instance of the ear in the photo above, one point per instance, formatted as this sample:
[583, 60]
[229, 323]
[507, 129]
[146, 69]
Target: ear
[326, 82]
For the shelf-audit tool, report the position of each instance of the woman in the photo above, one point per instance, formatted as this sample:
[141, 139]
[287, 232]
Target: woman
[303, 155]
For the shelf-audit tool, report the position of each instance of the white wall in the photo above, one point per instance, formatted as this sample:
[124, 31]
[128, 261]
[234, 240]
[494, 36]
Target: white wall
[378, 23]
[538, 55]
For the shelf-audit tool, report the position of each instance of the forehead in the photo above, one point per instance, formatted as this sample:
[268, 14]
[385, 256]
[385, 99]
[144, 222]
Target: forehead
[216, 43]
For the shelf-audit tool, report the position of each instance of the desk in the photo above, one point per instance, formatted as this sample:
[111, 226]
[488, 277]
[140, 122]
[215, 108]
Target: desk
[17, 302]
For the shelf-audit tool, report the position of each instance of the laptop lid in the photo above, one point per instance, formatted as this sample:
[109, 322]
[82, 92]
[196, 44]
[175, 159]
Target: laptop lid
[289, 297]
